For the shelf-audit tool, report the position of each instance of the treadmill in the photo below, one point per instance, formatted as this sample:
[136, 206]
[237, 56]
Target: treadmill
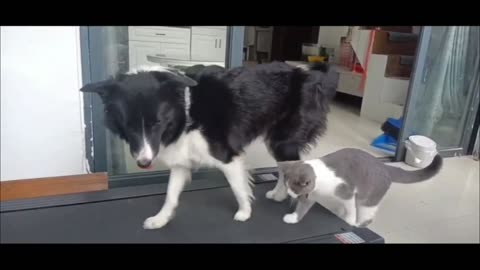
[204, 215]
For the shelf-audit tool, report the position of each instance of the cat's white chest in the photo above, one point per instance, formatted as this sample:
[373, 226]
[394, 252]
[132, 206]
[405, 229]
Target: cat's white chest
[326, 181]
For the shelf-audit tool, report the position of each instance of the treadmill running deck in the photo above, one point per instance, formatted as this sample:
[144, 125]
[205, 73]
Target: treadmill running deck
[203, 216]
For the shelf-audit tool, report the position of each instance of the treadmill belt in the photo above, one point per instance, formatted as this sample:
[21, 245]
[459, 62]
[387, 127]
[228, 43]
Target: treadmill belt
[203, 216]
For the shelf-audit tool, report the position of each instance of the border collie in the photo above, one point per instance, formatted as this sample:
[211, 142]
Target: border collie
[208, 115]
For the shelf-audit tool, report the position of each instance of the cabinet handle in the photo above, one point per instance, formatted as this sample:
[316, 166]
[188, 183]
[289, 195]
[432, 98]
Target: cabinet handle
[154, 59]
[220, 43]
[157, 58]
[215, 43]
[160, 34]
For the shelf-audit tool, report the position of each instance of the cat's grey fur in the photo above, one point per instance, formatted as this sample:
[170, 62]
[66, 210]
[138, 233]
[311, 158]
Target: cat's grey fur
[355, 175]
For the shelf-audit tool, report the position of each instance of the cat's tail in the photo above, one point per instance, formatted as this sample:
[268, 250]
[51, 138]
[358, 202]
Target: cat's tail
[409, 177]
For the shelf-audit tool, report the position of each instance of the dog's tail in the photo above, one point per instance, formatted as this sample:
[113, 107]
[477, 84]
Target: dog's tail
[325, 77]
[409, 177]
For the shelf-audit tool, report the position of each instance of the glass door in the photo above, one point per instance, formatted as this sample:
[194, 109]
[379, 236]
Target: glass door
[443, 98]
[108, 50]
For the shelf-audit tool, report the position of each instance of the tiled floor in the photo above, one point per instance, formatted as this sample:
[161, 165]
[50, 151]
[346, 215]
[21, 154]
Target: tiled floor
[443, 209]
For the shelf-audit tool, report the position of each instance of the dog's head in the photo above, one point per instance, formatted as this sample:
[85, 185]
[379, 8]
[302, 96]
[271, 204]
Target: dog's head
[144, 108]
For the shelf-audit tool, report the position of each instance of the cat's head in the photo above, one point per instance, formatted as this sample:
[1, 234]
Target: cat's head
[299, 177]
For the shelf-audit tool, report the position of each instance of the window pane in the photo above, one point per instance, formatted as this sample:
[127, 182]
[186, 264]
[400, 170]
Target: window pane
[443, 101]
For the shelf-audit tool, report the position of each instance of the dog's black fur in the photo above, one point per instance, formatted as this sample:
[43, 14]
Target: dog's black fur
[286, 105]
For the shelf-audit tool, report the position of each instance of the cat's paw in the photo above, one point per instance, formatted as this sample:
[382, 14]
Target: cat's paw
[290, 218]
[276, 196]
[364, 223]
[270, 194]
[155, 222]
[341, 212]
[350, 220]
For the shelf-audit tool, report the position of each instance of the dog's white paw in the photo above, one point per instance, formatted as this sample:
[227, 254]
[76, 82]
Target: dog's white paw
[290, 218]
[276, 196]
[155, 222]
[242, 215]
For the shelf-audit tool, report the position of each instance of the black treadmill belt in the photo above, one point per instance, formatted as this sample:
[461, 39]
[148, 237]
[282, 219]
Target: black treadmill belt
[203, 216]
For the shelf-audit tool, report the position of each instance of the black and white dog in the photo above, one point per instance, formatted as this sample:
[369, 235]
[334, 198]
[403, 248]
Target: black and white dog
[207, 116]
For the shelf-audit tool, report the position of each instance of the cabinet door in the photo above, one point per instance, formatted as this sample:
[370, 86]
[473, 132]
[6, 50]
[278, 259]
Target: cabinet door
[140, 51]
[208, 48]
[159, 34]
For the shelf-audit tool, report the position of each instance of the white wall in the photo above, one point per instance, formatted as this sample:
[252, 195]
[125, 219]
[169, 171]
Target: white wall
[330, 35]
[41, 106]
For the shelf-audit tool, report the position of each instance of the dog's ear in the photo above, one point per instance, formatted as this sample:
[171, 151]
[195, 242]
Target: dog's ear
[102, 88]
[174, 75]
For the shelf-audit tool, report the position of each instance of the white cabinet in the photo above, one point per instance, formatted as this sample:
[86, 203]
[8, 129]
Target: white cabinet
[360, 43]
[141, 51]
[209, 31]
[159, 34]
[208, 48]
[350, 83]
[153, 45]
[209, 43]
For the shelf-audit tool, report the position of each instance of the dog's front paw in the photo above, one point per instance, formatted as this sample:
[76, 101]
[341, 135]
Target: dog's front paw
[155, 222]
[290, 218]
[242, 215]
[276, 196]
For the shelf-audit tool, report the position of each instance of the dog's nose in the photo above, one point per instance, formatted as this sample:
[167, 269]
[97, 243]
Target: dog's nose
[144, 163]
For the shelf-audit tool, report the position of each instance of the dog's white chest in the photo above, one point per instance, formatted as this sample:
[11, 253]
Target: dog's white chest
[190, 151]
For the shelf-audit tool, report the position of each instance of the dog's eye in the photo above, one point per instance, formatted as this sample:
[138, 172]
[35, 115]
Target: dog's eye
[157, 123]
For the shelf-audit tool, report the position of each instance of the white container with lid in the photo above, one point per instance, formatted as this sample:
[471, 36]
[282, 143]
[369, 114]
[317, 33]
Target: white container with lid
[420, 151]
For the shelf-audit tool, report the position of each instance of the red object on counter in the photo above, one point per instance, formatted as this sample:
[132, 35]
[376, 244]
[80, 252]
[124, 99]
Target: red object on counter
[358, 68]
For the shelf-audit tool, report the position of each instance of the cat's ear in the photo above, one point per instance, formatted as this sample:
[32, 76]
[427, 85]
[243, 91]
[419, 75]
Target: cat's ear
[284, 166]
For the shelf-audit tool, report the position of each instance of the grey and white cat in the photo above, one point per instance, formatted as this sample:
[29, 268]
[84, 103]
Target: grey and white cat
[354, 179]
